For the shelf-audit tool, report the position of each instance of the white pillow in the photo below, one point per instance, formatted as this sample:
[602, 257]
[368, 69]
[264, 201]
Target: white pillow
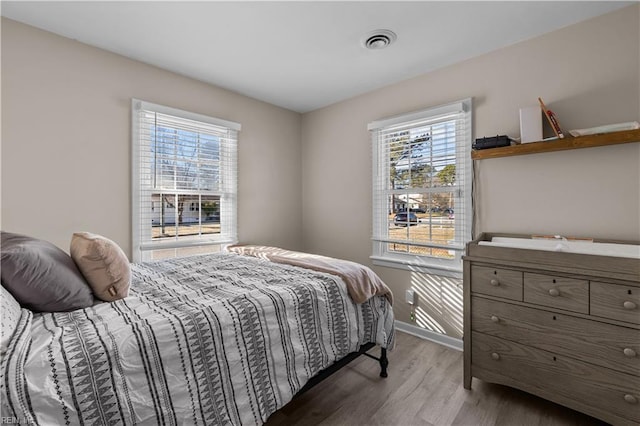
[10, 312]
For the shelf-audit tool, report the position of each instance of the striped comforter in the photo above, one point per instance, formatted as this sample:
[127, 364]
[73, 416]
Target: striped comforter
[217, 339]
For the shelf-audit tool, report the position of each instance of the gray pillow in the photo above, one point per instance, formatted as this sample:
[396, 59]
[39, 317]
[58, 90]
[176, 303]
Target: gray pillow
[40, 276]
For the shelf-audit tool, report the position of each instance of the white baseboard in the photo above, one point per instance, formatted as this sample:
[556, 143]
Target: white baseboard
[448, 341]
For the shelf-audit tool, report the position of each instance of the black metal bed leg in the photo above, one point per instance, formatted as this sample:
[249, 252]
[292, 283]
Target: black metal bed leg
[384, 362]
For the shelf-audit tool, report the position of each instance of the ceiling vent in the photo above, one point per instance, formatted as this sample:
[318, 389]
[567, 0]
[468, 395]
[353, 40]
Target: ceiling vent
[379, 39]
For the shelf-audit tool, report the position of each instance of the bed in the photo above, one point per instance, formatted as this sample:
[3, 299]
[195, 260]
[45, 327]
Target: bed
[227, 338]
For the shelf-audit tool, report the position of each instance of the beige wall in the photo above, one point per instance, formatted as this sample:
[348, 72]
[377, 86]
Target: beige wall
[587, 73]
[305, 181]
[66, 139]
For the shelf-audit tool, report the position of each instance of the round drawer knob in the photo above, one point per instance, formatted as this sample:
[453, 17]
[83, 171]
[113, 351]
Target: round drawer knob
[496, 356]
[629, 305]
[554, 292]
[628, 352]
[630, 399]
[495, 318]
[495, 282]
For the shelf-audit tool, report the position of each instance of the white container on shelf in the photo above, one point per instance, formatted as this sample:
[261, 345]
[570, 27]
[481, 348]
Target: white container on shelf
[530, 124]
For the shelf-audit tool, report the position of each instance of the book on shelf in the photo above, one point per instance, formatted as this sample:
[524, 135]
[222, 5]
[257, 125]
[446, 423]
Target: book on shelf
[553, 120]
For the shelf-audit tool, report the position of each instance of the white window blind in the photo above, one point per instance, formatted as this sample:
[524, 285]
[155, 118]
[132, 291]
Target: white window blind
[422, 177]
[184, 179]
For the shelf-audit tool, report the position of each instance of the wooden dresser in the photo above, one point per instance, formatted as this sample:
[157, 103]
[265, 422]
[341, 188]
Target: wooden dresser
[563, 326]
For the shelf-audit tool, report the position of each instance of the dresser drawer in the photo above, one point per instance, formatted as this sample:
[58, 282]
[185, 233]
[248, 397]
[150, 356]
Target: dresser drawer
[616, 302]
[557, 292]
[554, 374]
[497, 282]
[602, 344]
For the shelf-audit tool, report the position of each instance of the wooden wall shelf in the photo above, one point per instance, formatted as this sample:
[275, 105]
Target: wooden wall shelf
[569, 142]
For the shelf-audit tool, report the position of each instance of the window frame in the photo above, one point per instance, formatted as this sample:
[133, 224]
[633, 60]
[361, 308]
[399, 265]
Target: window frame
[463, 197]
[228, 232]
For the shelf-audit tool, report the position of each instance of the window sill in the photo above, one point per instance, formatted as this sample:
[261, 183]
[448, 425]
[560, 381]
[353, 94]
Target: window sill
[421, 267]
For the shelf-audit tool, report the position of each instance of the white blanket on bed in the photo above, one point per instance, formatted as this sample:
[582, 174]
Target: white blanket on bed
[218, 339]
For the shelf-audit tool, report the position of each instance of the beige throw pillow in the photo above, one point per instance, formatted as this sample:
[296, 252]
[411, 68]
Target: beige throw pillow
[103, 264]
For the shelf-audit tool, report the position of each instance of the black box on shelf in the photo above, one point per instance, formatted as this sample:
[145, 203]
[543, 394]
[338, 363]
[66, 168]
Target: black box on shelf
[492, 142]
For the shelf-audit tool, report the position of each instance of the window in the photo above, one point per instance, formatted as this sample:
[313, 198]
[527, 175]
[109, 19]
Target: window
[422, 173]
[184, 193]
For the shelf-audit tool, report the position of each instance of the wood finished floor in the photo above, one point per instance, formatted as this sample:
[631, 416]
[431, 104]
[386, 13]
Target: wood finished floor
[424, 387]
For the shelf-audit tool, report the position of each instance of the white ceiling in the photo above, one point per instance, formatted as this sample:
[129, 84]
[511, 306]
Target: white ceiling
[301, 55]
